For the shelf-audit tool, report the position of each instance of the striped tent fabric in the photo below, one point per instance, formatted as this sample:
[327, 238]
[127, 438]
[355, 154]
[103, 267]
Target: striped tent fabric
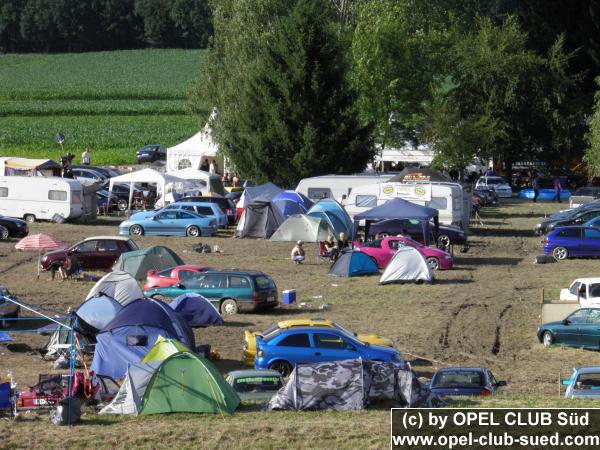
[39, 242]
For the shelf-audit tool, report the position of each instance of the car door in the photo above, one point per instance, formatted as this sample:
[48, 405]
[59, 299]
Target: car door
[568, 332]
[589, 332]
[570, 238]
[590, 243]
[86, 254]
[213, 286]
[294, 347]
[107, 253]
[165, 222]
[332, 347]
[390, 250]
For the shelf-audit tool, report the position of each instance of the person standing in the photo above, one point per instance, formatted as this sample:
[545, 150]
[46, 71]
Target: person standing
[535, 185]
[86, 157]
[557, 189]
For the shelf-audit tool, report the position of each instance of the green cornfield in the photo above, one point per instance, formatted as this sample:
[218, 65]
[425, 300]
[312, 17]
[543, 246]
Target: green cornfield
[111, 102]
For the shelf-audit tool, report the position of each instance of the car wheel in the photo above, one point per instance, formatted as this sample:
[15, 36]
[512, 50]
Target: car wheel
[193, 231]
[29, 218]
[229, 307]
[560, 253]
[136, 230]
[433, 263]
[4, 234]
[547, 339]
[444, 242]
[283, 367]
[122, 205]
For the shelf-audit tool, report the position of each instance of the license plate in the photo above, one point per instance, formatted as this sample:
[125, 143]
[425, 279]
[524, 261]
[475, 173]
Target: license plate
[40, 401]
[271, 298]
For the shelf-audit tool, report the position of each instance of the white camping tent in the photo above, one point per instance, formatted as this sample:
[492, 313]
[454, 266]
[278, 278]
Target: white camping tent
[191, 153]
[300, 227]
[408, 264]
[119, 285]
[212, 182]
[129, 398]
[162, 180]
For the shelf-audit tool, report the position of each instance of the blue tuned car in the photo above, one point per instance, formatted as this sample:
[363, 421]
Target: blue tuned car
[573, 241]
[169, 223]
[285, 348]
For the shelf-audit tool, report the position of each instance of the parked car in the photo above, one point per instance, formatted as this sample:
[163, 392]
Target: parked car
[584, 383]
[382, 251]
[447, 234]
[51, 388]
[581, 328]
[12, 228]
[208, 209]
[8, 310]
[496, 183]
[586, 290]
[282, 350]
[588, 191]
[250, 336]
[99, 252]
[464, 381]
[573, 241]
[151, 153]
[229, 291]
[168, 223]
[107, 172]
[173, 275]
[488, 195]
[89, 175]
[226, 205]
[255, 385]
[116, 203]
[576, 217]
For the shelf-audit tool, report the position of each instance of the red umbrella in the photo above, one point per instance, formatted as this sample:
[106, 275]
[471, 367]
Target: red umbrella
[39, 242]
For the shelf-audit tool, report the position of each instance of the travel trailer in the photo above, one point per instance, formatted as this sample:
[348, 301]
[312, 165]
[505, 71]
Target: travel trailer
[336, 186]
[447, 198]
[40, 198]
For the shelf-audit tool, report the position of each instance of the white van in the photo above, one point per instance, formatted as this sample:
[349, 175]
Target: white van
[447, 198]
[336, 186]
[32, 198]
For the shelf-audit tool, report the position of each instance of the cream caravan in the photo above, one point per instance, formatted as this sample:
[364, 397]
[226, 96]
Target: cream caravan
[32, 198]
[336, 186]
[447, 198]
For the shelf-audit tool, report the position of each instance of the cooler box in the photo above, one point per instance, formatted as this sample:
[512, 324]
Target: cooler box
[289, 296]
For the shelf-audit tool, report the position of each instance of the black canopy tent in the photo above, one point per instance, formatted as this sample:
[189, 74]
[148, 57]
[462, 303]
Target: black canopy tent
[398, 208]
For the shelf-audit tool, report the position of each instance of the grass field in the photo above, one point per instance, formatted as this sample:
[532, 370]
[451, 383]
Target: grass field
[111, 102]
[482, 313]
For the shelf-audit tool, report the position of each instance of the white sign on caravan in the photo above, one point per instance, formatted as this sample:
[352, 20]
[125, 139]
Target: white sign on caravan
[410, 192]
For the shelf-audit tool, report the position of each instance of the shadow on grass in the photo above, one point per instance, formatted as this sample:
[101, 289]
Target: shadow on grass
[445, 281]
[490, 261]
[234, 323]
[505, 232]
[290, 311]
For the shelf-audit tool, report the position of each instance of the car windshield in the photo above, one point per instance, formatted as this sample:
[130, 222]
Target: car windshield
[463, 378]
[587, 382]
[257, 384]
[495, 181]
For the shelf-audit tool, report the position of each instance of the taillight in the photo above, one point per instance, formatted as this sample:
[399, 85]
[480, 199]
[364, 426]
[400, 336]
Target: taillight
[485, 392]
[255, 295]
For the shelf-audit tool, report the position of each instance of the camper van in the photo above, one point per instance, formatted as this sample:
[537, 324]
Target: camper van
[447, 198]
[40, 198]
[336, 186]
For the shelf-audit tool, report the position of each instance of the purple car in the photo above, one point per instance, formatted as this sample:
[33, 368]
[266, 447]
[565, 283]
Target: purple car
[573, 241]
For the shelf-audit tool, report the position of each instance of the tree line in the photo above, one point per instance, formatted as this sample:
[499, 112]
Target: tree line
[93, 25]
[306, 87]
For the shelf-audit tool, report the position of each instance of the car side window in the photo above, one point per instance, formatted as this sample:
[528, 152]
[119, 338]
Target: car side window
[184, 215]
[591, 233]
[332, 341]
[107, 246]
[295, 340]
[594, 290]
[212, 281]
[206, 210]
[393, 244]
[238, 282]
[594, 317]
[579, 316]
[583, 291]
[491, 378]
[189, 208]
[574, 289]
[167, 215]
[570, 233]
[85, 247]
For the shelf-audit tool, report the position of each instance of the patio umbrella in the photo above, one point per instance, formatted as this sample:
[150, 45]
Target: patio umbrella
[39, 242]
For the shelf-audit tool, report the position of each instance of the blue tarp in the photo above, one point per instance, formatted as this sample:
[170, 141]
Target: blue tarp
[196, 310]
[398, 208]
[545, 194]
[129, 336]
[353, 263]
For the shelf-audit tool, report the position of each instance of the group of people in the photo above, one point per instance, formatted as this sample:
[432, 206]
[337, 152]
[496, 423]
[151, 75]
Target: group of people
[230, 179]
[332, 248]
[535, 185]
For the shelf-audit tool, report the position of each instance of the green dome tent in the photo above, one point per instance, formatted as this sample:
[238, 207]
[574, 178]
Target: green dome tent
[183, 382]
[139, 262]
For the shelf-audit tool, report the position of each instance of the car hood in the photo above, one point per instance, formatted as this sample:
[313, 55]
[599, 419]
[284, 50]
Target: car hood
[550, 324]
[58, 252]
[142, 215]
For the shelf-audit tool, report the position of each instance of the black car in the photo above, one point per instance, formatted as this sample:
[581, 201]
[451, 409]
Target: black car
[151, 153]
[226, 205]
[116, 203]
[10, 227]
[588, 191]
[577, 217]
[106, 172]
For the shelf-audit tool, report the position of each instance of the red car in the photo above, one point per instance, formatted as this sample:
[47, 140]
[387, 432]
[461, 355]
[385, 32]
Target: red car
[172, 276]
[382, 250]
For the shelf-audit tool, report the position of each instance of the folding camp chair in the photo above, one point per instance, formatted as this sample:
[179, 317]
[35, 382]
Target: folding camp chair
[323, 253]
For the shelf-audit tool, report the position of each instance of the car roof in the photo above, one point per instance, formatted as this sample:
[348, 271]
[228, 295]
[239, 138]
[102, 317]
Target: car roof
[113, 238]
[313, 328]
[461, 369]
[305, 322]
[188, 266]
[593, 369]
[194, 203]
[587, 280]
[253, 373]
[236, 272]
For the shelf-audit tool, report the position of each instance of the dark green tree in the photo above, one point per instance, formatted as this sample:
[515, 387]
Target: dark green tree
[277, 76]
[10, 18]
[592, 153]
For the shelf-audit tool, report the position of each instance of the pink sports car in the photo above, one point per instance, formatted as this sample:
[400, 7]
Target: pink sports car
[382, 250]
[172, 276]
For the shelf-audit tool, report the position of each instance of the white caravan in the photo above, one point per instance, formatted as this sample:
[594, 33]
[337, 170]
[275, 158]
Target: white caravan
[447, 198]
[336, 186]
[32, 198]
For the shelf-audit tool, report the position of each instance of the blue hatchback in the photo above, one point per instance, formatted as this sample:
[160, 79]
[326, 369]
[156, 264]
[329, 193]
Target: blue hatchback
[574, 241]
[282, 350]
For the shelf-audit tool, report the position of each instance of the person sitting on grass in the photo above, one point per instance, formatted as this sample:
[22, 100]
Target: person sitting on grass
[298, 253]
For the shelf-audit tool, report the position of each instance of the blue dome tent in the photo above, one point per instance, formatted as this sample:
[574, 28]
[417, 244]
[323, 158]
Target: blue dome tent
[292, 202]
[97, 312]
[330, 206]
[196, 310]
[353, 263]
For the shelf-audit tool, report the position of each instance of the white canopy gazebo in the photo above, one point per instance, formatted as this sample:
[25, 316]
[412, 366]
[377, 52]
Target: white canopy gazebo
[145, 176]
[212, 181]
